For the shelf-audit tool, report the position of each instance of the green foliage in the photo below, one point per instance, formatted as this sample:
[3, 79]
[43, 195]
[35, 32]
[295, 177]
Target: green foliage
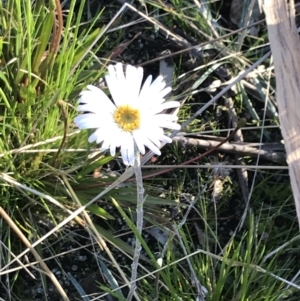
[39, 50]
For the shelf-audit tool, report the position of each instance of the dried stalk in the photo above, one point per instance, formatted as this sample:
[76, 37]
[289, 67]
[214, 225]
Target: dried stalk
[285, 45]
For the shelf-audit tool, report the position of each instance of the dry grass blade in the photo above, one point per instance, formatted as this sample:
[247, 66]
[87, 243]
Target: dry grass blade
[26, 242]
[33, 263]
[126, 175]
[99, 238]
[201, 290]
[285, 43]
[22, 266]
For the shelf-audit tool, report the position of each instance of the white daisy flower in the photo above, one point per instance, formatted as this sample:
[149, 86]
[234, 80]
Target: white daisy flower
[133, 118]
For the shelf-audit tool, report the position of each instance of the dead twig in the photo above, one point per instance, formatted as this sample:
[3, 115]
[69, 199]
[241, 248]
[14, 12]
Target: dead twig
[234, 148]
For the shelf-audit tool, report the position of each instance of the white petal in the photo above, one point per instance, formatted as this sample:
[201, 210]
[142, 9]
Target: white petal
[170, 125]
[93, 88]
[88, 121]
[112, 149]
[152, 147]
[112, 132]
[127, 148]
[121, 85]
[165, 139]
[115, 142]
[96, 136]
[134, 77]
[138, 138]
[153, 136]
[124, 156]
[164, 92]
[149, 139]
[153, 94]
[146, 88]
[131, 153]
[95, 101]
[157, 85]
[100, 109]
[120, 74]
[103, 149]
[107, 140]
[164, 106]
[113, 83]
[168, 117]
[106, 143]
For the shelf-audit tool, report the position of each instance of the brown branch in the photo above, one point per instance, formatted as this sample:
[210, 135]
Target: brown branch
[57, 32]
[214, 148]
[234, 148]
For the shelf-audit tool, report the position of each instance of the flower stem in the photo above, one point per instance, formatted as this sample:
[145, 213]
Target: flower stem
[139, 221]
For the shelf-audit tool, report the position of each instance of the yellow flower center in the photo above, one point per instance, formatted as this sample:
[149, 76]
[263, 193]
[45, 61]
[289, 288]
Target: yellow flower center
[127, 118]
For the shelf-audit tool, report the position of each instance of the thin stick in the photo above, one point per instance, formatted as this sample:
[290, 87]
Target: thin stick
[180, 166]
